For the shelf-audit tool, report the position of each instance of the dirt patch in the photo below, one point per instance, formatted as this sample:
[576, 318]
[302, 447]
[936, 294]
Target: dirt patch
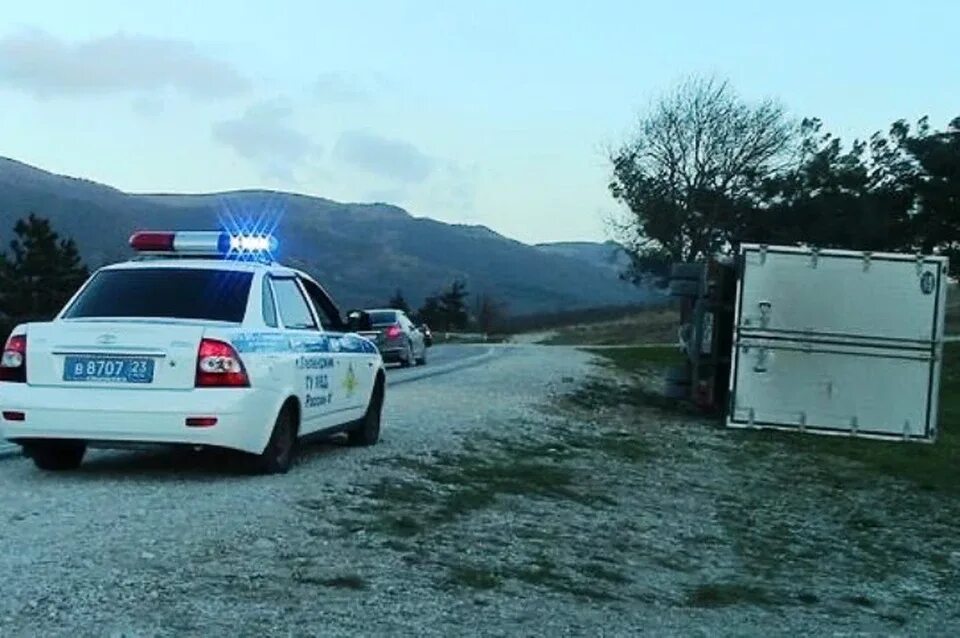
[620, 498]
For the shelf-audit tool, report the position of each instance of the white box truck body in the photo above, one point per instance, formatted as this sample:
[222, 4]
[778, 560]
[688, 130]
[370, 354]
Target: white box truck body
[838, 342]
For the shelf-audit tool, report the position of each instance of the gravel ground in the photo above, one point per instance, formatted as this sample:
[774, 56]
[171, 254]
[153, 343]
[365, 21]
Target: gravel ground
[155, 544]
[495, 505]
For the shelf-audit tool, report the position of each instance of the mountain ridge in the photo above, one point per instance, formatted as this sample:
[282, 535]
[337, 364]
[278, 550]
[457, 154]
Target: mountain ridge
[362, 252]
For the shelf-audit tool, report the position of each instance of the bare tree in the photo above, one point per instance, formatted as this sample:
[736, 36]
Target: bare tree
[490, 313]
[692, 168]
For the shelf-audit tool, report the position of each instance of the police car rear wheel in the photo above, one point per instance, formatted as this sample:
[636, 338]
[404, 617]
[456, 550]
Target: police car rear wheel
[367, 430]
[278, 456]
[56, 456]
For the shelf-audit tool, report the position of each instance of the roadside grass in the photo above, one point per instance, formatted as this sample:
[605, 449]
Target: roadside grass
[730, 593]
[638, 359]
[626, 446]
[474, 577]
[421, 514]
[344, 581]
[952, 319]
[934, 467]
[798, 514]
[452, 486]
[586, 582]
[640, 364]
[449, 487]
[651, 326]
[726, 594]
[802, 500]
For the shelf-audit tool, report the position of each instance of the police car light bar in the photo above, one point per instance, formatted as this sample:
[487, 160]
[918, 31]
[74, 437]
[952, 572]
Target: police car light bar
[201, 242]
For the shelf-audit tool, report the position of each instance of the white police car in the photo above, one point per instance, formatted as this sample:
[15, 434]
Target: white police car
[199, 341]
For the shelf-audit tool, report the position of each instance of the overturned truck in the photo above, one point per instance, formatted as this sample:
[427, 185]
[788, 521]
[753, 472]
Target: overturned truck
[824, 341]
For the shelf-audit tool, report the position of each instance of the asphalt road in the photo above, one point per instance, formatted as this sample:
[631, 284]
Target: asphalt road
[443, 359]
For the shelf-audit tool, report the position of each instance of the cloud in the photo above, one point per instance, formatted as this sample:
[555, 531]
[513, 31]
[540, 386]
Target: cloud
[453, 189]
[45, 66]
[384, 157]
[148, 106]
[334, 88]
[449, 193]
[263, 136]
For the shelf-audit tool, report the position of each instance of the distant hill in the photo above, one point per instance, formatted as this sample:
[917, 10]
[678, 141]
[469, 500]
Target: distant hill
[361, 252]
[608, 255]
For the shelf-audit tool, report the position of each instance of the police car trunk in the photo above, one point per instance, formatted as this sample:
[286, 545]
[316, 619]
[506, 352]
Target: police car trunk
[139, 326]
[141, 355]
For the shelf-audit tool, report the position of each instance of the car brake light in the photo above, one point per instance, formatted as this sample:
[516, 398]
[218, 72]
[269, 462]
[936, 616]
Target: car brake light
[219, 365]
[393, 332]
[13, 363]
[201, 421]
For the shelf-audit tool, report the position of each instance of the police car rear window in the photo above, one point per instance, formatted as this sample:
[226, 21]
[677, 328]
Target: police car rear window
[175, 293]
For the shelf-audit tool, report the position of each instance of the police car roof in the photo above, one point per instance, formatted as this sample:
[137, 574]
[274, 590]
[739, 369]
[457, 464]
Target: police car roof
[208, 263]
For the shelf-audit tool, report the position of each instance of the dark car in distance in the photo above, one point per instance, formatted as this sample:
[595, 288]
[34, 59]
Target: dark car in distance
[397, 337]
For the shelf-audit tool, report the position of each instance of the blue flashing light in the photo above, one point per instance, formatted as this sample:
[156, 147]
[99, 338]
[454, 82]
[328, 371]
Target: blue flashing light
[224, 242]
[250, 223]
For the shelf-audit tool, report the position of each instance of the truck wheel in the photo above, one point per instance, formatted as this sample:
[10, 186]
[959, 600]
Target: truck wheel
[56, 456]
[367, 430]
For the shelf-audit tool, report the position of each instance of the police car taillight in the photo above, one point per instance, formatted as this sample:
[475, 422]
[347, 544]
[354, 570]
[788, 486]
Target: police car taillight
[393, 332]
[13, 362]
[219, 366]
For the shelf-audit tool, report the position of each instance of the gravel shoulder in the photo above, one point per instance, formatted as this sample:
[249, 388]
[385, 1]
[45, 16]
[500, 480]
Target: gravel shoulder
[159, 544]
[536, 493]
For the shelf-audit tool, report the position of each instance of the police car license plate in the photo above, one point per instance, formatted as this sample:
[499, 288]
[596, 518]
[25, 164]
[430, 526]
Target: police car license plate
[108, 369]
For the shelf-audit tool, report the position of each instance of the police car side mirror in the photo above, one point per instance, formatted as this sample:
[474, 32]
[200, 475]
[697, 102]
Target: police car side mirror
[359, 321]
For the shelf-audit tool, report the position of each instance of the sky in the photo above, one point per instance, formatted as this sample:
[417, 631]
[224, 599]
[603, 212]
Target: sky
[496, 113]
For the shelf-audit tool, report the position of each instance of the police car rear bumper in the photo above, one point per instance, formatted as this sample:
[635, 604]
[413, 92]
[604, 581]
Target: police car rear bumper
[245, 417]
